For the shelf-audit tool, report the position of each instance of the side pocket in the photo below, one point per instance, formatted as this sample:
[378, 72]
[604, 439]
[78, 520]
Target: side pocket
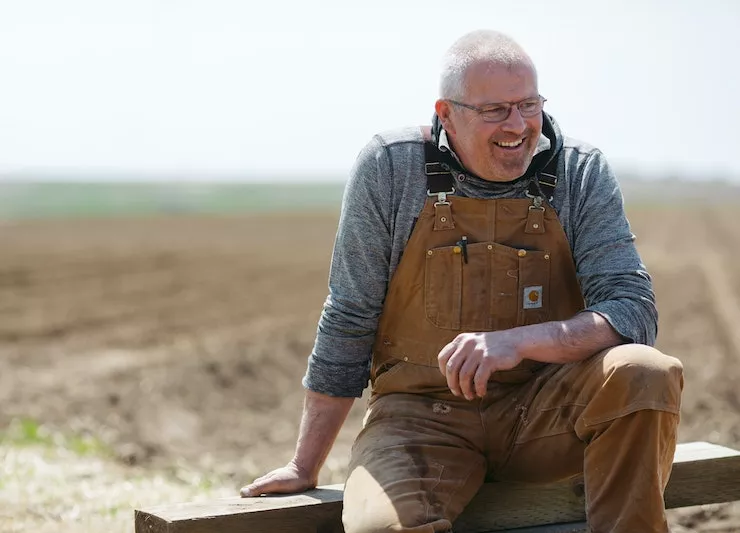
[534, 287]
[382, 380]
[443, 287]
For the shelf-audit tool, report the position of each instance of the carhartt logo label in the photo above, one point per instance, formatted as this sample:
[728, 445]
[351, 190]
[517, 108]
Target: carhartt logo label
[533, 297]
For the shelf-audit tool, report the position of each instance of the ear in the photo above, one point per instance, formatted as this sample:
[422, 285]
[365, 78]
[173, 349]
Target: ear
[444, 112]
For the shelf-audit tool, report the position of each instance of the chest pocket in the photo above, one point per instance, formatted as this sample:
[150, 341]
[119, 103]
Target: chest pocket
[498, 287]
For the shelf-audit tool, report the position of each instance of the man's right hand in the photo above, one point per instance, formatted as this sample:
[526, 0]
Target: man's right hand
[323, 415]
[287, 479]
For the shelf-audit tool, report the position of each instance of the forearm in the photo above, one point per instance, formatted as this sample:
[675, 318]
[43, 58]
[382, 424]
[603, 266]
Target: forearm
[339, 364]
[322, 419]
[614, 281]
[568, 340]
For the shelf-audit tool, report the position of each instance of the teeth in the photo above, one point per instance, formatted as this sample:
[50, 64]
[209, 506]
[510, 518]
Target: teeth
[511, 144]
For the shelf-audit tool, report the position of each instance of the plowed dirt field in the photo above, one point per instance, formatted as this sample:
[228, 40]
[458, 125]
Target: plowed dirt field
[183, 339]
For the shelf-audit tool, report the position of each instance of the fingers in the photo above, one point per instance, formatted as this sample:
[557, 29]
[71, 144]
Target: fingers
[452, 372]
[465, 378]
[272, 483]
[449, 361]
[289, 479]
[458, 362]
[444, 356]
[480, 380]
[259, 486]
[249, 491]
[465, 366]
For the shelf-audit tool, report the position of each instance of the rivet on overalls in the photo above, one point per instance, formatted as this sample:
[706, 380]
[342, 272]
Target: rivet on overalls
[490, 246]
[429, 252]
[535, 226]
[547, 256]
[443, 219]
[522, 253]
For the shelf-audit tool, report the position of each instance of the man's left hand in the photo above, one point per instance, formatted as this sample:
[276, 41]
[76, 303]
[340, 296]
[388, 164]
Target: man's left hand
[470, 359]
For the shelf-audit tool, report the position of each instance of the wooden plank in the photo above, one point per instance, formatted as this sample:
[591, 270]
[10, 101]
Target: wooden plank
[702, 473]
[573, 527]
[315, 511]
[706, 474]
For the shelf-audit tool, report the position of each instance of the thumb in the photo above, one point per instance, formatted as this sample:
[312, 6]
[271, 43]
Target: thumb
[256, 488]
[248, 491]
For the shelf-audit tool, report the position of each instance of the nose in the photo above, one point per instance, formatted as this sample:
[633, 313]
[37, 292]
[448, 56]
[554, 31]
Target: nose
[515, 122]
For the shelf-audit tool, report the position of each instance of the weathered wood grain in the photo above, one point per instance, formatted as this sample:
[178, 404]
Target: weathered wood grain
[702, 473]
[572, 527]
[316, 511]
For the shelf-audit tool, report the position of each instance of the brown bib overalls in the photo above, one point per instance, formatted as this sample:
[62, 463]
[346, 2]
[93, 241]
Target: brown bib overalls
[484, 265]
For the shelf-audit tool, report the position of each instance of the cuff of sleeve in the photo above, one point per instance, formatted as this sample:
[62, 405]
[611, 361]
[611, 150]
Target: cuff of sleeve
[624, 321]
[336, 379]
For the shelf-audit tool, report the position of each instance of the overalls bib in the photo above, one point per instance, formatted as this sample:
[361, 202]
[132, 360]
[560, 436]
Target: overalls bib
[471, 265]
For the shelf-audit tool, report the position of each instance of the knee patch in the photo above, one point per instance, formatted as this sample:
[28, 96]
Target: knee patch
[636, 377]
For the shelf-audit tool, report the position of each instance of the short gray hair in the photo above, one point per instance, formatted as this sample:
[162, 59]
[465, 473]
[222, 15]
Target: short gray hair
[475, 47]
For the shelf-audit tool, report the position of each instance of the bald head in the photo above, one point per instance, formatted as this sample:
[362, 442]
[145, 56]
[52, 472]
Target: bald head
[481, 46]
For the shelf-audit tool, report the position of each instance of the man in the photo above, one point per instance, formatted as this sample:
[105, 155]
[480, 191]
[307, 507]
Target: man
[488, 267]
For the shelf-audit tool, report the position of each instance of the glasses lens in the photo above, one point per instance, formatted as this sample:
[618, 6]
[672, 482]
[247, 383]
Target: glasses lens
[495, 113]
[530, 108]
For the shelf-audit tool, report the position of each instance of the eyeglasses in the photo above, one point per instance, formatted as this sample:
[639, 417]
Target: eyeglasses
[498, 112]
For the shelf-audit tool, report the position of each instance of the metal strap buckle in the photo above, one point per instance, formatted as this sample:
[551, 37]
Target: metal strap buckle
[537, 183]
[536, 202]
[441, 196]
[552, 183]
[436, 168]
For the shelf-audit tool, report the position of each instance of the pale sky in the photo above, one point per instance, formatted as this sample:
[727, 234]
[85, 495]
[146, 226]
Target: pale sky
[207, 87]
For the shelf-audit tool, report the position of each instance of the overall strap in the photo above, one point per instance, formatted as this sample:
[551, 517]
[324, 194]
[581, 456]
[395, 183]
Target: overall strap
[439, 177]
[440, 182]
[541, 187]
[545, 181]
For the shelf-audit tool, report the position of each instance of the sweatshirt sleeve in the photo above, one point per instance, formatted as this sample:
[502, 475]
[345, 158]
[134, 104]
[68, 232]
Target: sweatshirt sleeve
[614, 281]
[339, 364]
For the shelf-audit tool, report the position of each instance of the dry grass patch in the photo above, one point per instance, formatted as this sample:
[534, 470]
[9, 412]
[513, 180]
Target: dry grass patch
[50, 482]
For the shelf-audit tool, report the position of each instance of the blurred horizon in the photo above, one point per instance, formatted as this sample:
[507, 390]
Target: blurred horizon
[24, 200]
[623, 172]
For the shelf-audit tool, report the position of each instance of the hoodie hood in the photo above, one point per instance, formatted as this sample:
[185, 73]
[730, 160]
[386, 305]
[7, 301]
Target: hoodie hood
[550, 129]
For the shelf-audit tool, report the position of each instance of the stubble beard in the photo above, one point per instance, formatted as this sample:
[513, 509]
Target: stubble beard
[511, 169]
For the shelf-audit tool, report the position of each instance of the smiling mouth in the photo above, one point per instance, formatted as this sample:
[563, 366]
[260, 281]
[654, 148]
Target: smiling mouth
[510, 144]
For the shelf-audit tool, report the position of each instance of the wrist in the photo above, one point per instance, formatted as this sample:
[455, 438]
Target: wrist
[530, 342]
[306, 469]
